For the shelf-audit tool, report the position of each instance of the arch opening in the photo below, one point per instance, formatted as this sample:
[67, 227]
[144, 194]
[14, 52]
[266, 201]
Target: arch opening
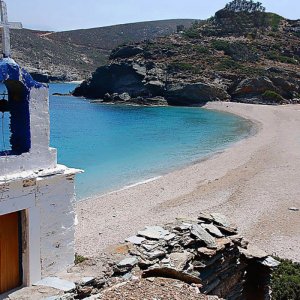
[15, 118]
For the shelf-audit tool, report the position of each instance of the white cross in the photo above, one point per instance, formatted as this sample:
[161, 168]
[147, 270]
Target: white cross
[5, 25]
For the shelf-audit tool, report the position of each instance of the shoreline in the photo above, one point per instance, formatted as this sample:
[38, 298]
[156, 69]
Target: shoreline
[253, 129]
[215, 184]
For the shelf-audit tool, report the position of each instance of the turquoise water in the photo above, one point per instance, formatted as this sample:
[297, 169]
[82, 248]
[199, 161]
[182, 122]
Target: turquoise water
[122, 145]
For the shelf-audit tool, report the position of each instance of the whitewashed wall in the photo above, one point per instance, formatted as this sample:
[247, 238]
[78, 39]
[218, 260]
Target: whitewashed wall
[56, 198]
[48, 202]
[40, 155]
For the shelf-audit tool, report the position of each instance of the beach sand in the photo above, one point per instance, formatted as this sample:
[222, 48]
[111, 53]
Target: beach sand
[254, 183]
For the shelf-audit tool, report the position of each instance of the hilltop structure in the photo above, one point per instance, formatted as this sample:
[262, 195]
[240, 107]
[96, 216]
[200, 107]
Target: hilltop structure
[36, 194]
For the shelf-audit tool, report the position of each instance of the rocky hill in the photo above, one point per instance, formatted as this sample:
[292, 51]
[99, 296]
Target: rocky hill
[240, 54]
[74, 55]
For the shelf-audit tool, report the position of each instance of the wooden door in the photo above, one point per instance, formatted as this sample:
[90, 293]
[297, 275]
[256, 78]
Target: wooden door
[10, 262]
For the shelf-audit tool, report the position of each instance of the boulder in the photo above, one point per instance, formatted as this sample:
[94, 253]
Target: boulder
[126, 52]
[156, 87]
[125, 97]
[194, 93]
[286, 87]
[115, 78]
[253, 87]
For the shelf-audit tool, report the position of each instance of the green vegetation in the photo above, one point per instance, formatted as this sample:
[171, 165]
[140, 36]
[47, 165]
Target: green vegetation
[238, 51]
[273, 55]
[297, 33]
[221, 45]
[192, 32]
[201, 49]
[272, 96]
[274, 21]
[176, 66]
[228, 64]
[79, 259]
[285, 282]
[245, 6]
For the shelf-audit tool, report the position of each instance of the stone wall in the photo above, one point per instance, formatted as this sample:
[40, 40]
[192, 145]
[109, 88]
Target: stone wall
[206, 252]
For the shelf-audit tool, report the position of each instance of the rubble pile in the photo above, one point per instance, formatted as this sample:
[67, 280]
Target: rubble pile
[203, 259]
[206, 252]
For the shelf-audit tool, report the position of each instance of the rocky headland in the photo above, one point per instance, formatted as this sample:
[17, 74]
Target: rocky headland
[238, 56]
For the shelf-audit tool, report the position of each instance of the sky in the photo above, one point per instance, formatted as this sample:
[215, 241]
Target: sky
[59, 15]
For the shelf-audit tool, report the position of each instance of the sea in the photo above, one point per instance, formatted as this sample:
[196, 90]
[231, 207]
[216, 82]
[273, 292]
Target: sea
[118, 146]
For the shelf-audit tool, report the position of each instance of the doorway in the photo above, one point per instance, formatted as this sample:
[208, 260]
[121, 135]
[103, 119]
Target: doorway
[10, 252]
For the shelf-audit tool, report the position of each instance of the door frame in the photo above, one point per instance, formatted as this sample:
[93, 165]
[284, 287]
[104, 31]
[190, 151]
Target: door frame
[30, 222]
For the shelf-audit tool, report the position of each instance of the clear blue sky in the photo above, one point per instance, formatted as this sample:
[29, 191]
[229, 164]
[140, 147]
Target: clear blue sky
[73, 14]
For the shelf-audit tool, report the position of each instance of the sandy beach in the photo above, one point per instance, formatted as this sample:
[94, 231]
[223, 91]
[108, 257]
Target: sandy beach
[254, 183]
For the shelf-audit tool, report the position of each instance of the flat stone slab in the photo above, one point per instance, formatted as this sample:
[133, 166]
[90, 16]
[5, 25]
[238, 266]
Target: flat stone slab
[56, 283]
[171, 273]
[136, 240]
[155, 254]
[35, 293]
[62, 297]
[128, 262]
[212, 229]
[270, 262]
[178, 260]
[154, 232]
[205, 217]
[204, 236]
[253, 252]
[86, 280]
[94, 297]
[169, 237]
[220, 219]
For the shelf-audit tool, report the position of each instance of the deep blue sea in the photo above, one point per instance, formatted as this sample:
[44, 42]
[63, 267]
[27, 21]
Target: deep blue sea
[119, 145]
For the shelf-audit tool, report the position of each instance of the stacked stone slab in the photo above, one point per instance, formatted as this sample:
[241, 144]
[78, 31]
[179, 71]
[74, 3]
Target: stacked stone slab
[206, 252]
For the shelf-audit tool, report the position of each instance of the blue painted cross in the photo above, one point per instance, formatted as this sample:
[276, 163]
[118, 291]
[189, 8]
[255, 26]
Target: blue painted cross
[5, 25]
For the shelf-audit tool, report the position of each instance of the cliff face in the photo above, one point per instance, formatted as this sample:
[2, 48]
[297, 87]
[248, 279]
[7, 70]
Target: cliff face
[234, 56]
[73, 55]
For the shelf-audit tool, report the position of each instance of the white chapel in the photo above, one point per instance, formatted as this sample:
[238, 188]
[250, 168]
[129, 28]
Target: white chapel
[36, 194]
